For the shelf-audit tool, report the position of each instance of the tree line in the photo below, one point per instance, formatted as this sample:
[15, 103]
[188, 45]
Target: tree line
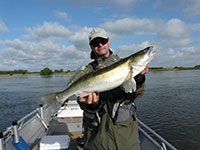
[20, 71]
[174, 68]
[45, 71]
[48, 71]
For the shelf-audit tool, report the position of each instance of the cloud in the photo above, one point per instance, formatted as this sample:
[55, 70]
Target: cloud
[126, 50]
[173, 54]
[195, 27]
[187, 7]
[44, 46]
[192, 9]
[191, 50]
[36, 55]
[127, 26]
[176, 42]
[73, 53]
[120, 4]
[124, 4]
[28, 52]
[171, 57]
[169, 4]
[47, 30]
[56, 46]
[61, 14]
[10, 59]
[80, 38]
[16, 44]
[3, 27]
[175, 28]
[173, 32]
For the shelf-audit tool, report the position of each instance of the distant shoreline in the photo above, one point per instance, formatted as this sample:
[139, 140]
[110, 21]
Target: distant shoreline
[32, 74]
[62, 73]
[173, 69]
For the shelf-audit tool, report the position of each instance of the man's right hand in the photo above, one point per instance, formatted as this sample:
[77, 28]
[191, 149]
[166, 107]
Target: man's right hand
[92, 98]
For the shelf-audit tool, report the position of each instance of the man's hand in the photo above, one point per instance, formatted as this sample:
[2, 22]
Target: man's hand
[92, 98]
[146, 70]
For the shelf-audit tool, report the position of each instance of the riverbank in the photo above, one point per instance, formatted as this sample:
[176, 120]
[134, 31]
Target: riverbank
[71, 72]
[34, 74]
[173, 69]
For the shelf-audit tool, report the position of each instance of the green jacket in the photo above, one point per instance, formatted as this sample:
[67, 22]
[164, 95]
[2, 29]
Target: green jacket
[111, 124]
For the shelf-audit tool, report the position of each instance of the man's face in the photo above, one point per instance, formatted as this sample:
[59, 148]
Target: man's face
[100, 47]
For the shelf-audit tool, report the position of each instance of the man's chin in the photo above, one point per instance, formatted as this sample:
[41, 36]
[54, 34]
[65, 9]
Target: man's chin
[102, 52]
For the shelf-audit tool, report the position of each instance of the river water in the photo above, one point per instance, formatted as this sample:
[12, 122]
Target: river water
[170, 104]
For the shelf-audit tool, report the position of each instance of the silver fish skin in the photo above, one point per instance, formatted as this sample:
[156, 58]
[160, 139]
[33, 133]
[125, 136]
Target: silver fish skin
[119, 73]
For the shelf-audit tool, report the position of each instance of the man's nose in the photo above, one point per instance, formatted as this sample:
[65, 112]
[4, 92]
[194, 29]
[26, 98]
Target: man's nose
[100, 44]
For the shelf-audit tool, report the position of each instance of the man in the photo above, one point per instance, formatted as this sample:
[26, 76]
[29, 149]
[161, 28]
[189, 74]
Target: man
[109, 117]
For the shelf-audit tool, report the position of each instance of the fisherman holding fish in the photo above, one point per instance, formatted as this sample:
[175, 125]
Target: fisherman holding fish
[106, 89]
[110, 116]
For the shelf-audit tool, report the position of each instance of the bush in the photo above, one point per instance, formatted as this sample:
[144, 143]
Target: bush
[197, 66]
[46, 71]
[58, 71]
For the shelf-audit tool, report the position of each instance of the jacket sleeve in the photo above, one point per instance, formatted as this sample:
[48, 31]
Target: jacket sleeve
[140, 79]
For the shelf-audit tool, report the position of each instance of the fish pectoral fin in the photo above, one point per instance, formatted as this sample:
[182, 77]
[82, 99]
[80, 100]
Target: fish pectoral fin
[129, 85]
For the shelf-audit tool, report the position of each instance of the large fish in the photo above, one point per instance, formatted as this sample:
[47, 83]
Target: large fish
[119, 73]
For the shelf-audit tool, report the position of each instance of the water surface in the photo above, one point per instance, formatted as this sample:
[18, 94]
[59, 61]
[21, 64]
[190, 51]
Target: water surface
[170, 104]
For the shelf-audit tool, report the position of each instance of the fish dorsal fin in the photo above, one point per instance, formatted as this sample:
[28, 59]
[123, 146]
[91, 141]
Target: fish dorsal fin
[78, 74]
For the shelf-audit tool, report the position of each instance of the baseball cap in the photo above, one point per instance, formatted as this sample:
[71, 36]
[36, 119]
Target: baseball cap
[97, 32]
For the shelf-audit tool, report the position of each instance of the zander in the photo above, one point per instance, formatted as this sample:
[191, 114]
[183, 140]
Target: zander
[119, 73]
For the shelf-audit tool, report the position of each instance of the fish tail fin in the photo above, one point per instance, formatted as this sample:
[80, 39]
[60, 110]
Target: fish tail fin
[50, 98]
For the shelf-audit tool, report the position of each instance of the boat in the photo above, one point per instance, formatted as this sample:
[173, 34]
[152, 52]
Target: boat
[55, 127]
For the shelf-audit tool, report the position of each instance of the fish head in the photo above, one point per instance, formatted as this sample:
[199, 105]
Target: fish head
[139, 60]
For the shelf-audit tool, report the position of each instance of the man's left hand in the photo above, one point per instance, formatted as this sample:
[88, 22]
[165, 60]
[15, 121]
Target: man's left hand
[146, 70]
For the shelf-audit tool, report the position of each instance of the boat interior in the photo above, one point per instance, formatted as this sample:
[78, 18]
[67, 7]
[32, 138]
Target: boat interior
[54, 121]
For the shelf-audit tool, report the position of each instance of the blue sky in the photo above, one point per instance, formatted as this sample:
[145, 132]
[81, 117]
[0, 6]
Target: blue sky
[54, 33]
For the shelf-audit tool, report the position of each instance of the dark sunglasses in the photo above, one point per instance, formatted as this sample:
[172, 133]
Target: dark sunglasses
[96, 42]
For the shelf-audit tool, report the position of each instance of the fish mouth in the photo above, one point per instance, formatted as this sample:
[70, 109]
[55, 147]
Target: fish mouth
[151, 52]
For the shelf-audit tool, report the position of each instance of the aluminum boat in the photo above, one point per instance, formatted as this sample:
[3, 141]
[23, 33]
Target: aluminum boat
[55, 127]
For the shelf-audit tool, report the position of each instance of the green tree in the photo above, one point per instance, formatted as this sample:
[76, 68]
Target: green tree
[68, 71]
[197, 66]
[46, 71]
[24, 72]
[57, 70]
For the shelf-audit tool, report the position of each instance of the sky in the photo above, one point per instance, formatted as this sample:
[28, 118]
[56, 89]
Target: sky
[35, 34]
